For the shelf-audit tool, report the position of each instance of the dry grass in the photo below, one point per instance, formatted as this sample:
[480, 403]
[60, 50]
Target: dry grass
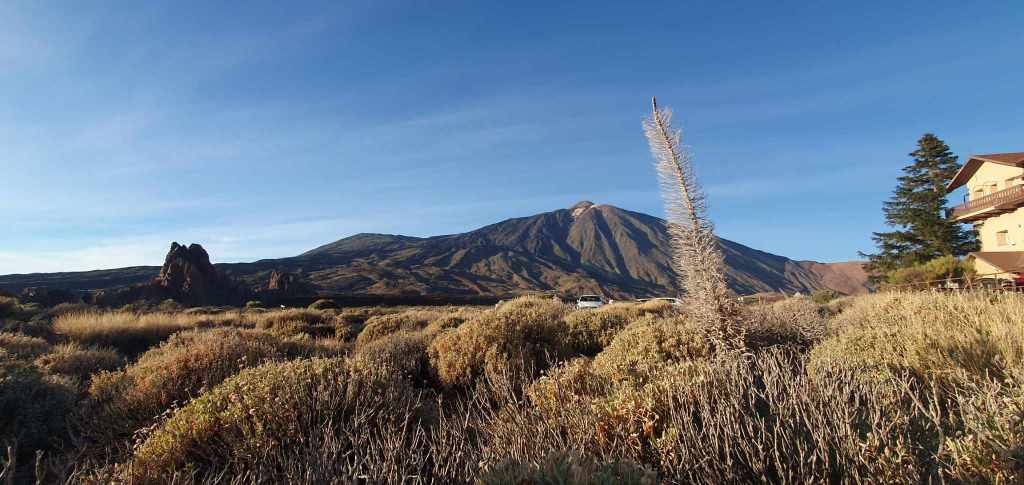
[129, 333]
[80, 362]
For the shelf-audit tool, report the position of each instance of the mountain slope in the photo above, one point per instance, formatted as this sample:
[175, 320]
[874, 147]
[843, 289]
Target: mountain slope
[587, 248]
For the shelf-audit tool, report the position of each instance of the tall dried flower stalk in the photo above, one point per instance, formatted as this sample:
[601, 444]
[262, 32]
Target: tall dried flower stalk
[695, 251]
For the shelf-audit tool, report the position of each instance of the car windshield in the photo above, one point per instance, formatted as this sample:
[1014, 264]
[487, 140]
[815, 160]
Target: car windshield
[590, 298]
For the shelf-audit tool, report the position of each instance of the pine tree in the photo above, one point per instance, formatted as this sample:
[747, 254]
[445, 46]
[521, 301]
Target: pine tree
[917, 210]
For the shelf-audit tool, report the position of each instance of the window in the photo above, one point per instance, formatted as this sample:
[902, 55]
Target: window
[993, 187]
[1003, 238]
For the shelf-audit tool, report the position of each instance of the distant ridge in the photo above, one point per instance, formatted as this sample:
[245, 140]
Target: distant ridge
[587, 248]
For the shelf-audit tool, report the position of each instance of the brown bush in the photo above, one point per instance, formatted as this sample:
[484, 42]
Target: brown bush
[526, 329]
[22, 346]
[80, 362]
[323, 304]
[402, 353]
[8, 306]
[33, 407]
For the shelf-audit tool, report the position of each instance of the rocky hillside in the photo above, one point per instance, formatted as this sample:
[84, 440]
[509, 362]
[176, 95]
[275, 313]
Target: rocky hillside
[586, 248]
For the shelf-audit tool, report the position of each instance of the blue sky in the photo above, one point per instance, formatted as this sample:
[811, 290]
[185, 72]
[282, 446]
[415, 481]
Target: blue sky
[266, 131]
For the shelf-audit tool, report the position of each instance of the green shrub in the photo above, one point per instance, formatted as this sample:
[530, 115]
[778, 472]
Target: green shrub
[527, 330]
[22, 346]
[33, 407]
[931, 271]
[824, 296]
[80, 362]
[276, 408]
[253, 304]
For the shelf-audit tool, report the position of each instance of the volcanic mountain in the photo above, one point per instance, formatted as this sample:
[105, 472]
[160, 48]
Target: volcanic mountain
[587, 248]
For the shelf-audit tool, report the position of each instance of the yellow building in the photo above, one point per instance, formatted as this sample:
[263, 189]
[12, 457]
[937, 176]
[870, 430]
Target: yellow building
[995, 205]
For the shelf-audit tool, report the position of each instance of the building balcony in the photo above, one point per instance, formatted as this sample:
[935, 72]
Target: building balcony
[1006, 200]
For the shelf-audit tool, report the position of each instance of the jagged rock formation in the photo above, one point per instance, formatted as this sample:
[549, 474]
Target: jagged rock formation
[283, 285]
[187, 276]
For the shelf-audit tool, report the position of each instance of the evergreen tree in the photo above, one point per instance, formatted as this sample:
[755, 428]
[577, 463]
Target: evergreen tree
[917, 210]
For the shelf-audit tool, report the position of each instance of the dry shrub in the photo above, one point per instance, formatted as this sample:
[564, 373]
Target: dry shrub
[567, 386]
[323, 304]
[180, 369]
[568, 469]
[927, 334]
[279, 409]
[402, 353]
[988, 446]
[129, 333]
[33, 407]
[8, 306]
[589, 331]
[646, 346]
[384, 325]
[754, 419]
[22, 346]
[797, 322]
[526, 329]
[293, 321]
[80, 362]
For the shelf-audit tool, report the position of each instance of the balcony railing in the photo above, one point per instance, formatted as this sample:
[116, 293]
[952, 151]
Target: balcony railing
[995, 203]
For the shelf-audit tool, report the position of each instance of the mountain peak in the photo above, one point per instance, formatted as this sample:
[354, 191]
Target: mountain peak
[581, 207]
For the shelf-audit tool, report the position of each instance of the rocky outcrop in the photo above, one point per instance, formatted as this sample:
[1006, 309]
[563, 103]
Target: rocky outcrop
[187, 276]
[288, 284]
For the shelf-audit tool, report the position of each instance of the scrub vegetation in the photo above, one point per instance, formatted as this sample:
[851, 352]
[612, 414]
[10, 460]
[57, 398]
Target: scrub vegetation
[885, 388]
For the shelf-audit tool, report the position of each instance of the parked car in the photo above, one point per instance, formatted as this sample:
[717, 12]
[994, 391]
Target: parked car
[589, 301]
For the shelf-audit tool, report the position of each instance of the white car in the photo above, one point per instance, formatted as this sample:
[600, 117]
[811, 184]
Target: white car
[589, 301]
